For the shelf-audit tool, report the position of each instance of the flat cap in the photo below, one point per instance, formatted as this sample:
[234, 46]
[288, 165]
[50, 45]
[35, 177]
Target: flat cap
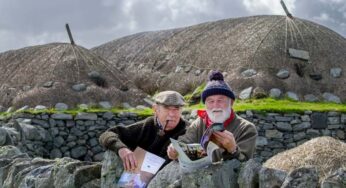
[169, 98]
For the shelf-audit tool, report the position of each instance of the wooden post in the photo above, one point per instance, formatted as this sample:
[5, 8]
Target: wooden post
[69, 34]
[285, 9]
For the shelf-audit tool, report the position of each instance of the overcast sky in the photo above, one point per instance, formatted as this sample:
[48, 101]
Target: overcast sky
[94, 22]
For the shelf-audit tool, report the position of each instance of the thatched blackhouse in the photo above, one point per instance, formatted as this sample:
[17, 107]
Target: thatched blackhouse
[60, 72]
[313, 56]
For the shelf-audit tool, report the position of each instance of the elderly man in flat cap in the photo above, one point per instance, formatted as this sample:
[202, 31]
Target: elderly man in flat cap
[151, 134]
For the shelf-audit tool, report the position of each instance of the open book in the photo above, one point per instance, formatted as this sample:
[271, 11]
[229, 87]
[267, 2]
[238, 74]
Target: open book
[148, 165]
[193, 156]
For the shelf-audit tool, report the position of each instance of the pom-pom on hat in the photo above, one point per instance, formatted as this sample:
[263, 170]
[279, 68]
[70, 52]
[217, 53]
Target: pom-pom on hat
[217, 86]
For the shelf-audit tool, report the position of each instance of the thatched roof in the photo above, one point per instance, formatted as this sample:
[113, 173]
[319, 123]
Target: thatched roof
[326, 153]
[45, 75]
[232, 46]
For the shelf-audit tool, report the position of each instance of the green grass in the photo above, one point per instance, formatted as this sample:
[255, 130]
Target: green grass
[258, 105]
[281, 106]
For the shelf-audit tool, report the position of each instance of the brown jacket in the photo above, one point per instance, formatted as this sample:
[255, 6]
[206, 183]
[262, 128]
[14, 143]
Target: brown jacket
[245, 134]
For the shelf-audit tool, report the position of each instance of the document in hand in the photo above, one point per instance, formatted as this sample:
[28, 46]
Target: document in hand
[188, 164]
[148, 165]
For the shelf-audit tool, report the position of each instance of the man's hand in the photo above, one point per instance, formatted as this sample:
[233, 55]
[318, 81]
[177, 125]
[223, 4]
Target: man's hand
[171, 152]
[128, 158]
[226, 140]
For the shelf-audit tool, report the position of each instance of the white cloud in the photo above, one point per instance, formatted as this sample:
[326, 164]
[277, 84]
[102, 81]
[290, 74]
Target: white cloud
[268, 6]
[324, 17]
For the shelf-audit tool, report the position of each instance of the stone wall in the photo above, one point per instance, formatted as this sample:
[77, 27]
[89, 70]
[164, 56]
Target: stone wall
[64, 135]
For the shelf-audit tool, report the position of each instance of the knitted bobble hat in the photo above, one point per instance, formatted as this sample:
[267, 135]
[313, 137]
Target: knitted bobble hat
[217, 86]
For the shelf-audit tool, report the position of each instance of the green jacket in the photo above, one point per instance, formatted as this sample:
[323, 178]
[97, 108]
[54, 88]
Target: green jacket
[143, 134]
[245, 134]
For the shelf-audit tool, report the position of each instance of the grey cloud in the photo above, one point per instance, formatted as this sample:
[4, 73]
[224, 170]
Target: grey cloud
[33, 22]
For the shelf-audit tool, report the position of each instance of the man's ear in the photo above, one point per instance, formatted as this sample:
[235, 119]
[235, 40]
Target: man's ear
[232, 101]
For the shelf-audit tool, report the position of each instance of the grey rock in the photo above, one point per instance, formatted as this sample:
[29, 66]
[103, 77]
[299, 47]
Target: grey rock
[105, 105]
[299, 54]
[48, 84]
[112, 168]
[78, 152]
[61, 116]
[26, 88]
[303, 177]
[98, 157]
[246, 93]
[93, 142]
[269, 178]
[283, 74]
[249, 73]
[94, 74]
[340, 134]
[55, 153]
[41, 123]
[5, 138]
[83, 106]
[283, 118]
[126, 105]
[313, 132]
[302, 126]
[10, 110]
[334, 126]
[299, 136]
[293, 96]
[86, 116]
[336, 72]
[23, 108]
[283, 126]
[79, 87]
[329, 97]
[224, 175]
[319, 120]
[58, 141]
[61, 106]
[9, 152]
[70, 123]
[333, 120]
[72, 173]
[108, 115]
[40, 107]
[310, 98]
[248, 175]
[141, 107]
[261, 141]
[273, 134]
[305, 118]
[333, 114]
[343, 119]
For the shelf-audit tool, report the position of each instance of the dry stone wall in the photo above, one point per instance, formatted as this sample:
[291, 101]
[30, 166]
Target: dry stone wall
[64, 135]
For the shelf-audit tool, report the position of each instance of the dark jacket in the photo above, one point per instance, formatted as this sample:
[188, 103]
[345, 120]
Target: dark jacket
[143, 134]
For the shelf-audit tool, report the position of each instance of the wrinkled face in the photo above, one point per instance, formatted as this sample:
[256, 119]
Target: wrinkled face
[168, 115]
[218, 108]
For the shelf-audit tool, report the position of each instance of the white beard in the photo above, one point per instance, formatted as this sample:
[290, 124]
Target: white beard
[219, 115]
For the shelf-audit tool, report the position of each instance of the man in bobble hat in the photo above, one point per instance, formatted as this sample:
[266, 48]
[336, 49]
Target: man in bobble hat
[235, 135]
[151, 134]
